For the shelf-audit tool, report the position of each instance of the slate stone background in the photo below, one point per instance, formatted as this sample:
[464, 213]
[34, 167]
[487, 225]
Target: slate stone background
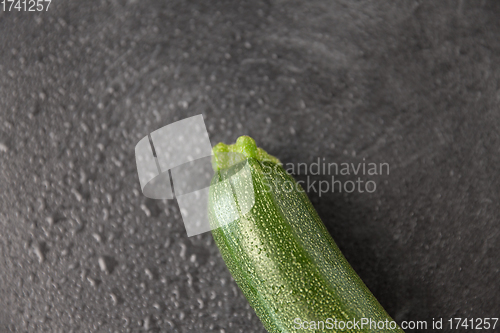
[411, 83]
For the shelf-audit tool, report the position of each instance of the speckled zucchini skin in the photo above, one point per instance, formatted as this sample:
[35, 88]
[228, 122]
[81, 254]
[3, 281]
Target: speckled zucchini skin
[280, 253]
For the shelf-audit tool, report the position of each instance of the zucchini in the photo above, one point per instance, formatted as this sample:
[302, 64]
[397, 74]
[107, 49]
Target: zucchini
[280, 253]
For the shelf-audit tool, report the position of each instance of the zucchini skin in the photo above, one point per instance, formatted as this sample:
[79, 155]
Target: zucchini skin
[281, 254]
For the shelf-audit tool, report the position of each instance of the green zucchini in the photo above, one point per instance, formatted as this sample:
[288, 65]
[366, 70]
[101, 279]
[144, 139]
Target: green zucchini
[279, 251]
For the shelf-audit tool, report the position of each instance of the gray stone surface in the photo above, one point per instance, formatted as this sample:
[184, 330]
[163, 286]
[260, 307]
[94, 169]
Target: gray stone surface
[414, 84]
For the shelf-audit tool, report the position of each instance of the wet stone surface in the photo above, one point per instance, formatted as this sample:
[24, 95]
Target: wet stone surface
[412, 84]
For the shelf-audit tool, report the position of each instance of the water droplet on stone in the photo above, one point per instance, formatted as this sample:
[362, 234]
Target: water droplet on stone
[73, 266]
[103, 265]
[97, 237]
[146, 210]
[39, 250]
[183, 250]
[114, 298]
[105, 214]
[50, 220]
[148, 323]
[91, 281]
[78, 195]
[149, 274]
[200, 303]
